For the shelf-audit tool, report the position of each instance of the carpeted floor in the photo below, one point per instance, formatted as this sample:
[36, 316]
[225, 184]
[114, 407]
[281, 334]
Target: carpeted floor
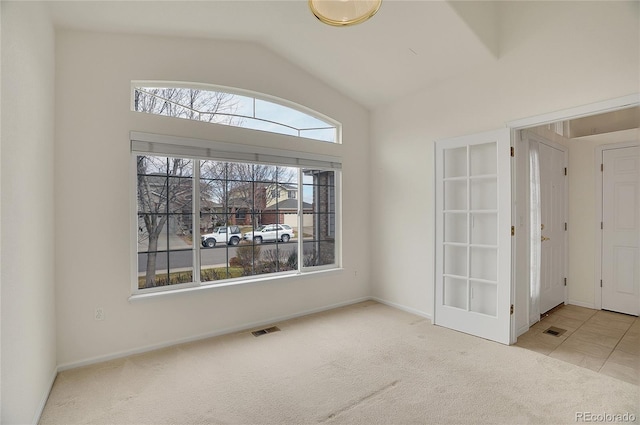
[363, 364]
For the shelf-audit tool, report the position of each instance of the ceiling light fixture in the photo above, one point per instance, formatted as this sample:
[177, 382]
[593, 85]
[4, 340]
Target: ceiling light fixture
[342, 13]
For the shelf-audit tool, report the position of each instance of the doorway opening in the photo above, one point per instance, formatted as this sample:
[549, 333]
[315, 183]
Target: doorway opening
[488, 224]
[580, 264]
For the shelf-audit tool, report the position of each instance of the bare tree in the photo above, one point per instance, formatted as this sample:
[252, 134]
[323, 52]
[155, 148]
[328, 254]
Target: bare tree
[164, 191]
[242, 186]
[162, 194]
[193, 104]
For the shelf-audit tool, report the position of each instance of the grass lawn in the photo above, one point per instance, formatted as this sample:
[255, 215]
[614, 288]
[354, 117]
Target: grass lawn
[207, 275]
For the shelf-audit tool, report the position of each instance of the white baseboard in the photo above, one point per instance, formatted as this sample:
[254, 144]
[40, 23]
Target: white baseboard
[582, 304]
[233, 329]
[403, 308]
[44, 398]
[523, 329]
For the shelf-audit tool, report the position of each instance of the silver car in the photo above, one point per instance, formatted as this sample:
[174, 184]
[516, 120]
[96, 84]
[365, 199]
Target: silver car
[270, 233]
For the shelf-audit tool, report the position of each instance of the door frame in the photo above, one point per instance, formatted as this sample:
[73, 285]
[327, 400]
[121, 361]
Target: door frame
[515, 126]
[597, 289]
[596, 108]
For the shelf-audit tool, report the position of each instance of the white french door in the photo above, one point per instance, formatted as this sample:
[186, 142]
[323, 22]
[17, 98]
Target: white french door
[473, 235]
[621, 230]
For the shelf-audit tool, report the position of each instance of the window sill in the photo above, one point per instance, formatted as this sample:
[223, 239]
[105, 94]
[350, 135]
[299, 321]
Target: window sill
[236, 282]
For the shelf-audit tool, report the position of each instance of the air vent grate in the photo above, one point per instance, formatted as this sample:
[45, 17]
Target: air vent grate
[554, 331]
[266, 331]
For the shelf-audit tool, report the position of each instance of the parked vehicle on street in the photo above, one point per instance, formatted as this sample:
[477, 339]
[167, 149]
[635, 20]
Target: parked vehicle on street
[270, 233]
[229, 235]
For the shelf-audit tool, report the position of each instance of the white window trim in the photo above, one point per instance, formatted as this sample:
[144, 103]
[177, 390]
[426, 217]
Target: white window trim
[156, 144]
[198, 149]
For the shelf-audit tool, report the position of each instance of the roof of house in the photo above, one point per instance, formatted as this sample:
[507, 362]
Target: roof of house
[289, 204]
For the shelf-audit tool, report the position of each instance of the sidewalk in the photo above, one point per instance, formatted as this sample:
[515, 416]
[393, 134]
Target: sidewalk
[175, 242]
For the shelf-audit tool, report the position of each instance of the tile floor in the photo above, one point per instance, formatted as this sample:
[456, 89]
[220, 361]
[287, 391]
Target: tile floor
[603, 341]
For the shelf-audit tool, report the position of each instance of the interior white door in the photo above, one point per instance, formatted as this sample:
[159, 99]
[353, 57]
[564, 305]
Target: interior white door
[473, 235]
[552, 219]
[621, 230]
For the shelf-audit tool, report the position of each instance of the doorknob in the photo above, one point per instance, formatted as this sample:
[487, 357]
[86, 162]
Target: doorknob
[544, 238]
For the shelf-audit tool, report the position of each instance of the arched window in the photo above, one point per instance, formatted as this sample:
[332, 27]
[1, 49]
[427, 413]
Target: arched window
[234, 107]
[212, 212]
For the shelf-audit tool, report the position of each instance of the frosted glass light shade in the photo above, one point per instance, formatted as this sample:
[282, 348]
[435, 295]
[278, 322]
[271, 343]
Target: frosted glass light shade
[344, 12]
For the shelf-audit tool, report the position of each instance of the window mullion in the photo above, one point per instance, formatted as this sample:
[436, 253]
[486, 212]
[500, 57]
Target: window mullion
[300, 218]
[195, 221]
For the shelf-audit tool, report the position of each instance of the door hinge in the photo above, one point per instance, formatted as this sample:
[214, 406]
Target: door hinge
[565, 281]
[565, 226]
[565, 171]
[511, 309]
[601, 283]
[601, 225]
[601, 167]
[513, 230]
[513, 151]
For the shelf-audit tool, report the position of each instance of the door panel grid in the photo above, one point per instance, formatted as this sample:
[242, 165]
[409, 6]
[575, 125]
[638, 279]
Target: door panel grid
[470, 252]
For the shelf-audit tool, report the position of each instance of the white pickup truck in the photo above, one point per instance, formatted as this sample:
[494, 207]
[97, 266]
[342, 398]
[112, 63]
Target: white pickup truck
[229, 235]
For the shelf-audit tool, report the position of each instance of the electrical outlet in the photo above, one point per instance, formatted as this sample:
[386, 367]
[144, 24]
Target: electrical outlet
[99, 313]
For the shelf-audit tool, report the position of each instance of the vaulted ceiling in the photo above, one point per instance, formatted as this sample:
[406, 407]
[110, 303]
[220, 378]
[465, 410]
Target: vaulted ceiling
[408, 45]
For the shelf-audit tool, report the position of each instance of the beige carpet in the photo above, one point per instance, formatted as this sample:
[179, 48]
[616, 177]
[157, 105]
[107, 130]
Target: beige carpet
[363, 364]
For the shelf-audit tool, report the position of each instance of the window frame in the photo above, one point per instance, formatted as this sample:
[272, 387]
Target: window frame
[246, 93]
[198, 150]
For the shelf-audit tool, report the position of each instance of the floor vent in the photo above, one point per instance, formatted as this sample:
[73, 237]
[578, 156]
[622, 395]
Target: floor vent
[266, 331]
[554, 331]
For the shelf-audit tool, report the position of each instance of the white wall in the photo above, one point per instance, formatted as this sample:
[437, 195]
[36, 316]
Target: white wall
[553, 56]
[27, 216]
[92, 187]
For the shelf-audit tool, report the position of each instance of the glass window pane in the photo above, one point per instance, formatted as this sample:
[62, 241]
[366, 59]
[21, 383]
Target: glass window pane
[213, 170]
[152, 165]
[324, 134]
[248, 223]
[484, 229]
[152, 269]
[316, 253]
[455, 195]
[179, 231]
[180, 195]
[455, 227]
[483, 159]
[455, 162]
[484, 298]
[455, 260]
[180, 267]
[484, 194]
[152, 232]
[245, 259]
[221, 107]
[455, 292]
[152, 194]
[484, 263]
[319, 221]
[278, 258]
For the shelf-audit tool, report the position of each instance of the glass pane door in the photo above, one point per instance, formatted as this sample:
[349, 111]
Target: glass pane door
[473, 197]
